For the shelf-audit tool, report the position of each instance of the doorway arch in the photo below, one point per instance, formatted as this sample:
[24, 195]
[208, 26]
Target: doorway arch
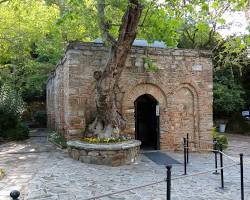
[147, 121]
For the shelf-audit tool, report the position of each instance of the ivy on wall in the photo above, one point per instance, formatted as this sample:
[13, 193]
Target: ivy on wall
[149, 65]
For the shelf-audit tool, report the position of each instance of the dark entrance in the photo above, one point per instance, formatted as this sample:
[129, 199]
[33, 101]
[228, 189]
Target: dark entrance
[147, 122]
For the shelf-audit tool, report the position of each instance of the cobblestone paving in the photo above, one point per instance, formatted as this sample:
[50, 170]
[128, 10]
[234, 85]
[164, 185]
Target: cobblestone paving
[52, 175]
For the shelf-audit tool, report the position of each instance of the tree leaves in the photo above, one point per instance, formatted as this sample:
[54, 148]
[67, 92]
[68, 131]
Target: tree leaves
[34, 33]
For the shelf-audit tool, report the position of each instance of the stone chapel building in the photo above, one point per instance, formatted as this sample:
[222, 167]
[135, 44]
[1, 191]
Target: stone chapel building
[160, 107]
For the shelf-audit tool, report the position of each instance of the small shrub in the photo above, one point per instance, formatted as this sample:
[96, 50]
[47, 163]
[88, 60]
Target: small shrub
[8, 118]
[237, 124]
[11, 107]
[20, 132]
[221, 139]
[40, 118]
[149, 65]
[58, 139]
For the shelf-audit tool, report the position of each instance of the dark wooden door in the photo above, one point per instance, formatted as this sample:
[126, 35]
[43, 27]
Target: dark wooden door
[147, 122]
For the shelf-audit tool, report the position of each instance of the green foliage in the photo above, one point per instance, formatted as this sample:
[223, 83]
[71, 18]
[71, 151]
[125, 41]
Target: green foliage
[231, 54]
[58, 139]
[8, 119]
[19, 132]
[33, 80]
[228, 96]
[221, 139]
[162, 25]
[202, 19]
[150, 65]
[10, 100]
[23, 26]
[34, 33]
[40, 118]
[238, 124]
[198, 36]
[246, 84]
[27, 37]
[229, 57]
[230, 63]
[11, 107]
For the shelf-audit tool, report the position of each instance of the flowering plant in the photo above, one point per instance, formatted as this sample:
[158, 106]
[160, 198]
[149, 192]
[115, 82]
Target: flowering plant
[103, 140]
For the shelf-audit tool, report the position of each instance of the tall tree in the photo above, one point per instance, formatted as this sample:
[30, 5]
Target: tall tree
[40, 31]
[108, 116]
[108, 119]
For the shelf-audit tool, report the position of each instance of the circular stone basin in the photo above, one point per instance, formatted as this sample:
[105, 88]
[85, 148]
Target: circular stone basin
[111, 154]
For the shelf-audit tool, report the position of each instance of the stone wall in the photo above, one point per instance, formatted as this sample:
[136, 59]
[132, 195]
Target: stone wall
[182, 87]
[116, 154]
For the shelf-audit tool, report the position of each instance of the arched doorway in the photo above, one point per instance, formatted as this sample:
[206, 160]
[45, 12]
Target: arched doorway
[147, 121]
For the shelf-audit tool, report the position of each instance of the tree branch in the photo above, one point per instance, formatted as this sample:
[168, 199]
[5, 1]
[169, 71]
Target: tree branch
[108, 114]
[211, 34]
[190, 37]
[2, 1]
[146, 14]
[128, 28]
[105, 26]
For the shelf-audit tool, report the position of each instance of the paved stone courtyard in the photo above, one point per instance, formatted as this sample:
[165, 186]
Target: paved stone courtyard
[41, 171]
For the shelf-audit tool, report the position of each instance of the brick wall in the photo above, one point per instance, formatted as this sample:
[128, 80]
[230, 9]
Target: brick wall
[182, 87]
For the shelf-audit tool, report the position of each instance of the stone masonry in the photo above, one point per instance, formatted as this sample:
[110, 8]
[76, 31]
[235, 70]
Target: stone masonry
[182, 87]
[105, 154]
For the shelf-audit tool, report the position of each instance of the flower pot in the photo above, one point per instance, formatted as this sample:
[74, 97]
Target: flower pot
[222, 128]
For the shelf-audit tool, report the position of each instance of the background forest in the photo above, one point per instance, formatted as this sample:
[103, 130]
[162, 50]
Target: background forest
[35, 33]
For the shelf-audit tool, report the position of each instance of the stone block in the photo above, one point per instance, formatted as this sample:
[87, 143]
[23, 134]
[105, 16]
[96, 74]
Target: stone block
[179, 57]
[74, 61]
[85, 159]
[88, 53]
[73, 91]
[197, 67]
[97, 160]
[107, 161]
[83, 152]
[177, 53]
[75, 154]
[191, 53]
[93, 153]
[75, 121]
[107, 153]
[69, 150]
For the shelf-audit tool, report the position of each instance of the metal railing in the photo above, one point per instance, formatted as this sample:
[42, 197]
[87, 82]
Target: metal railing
[15, 194]
[217, 149]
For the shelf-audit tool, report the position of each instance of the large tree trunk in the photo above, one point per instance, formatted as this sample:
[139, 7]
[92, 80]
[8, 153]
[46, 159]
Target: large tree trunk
[109, 121]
